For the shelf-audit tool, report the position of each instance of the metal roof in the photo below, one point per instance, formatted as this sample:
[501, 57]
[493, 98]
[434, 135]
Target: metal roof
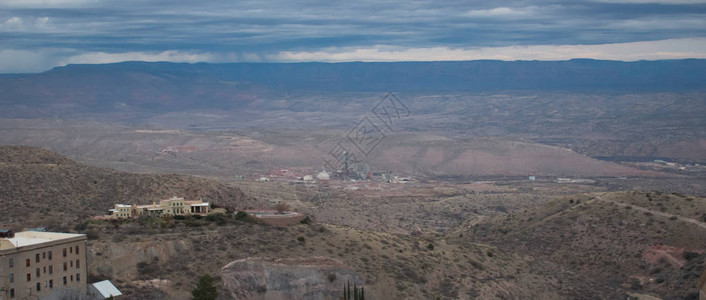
[106, 288]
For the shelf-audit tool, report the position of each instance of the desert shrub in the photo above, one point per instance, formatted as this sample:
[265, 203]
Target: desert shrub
[430, 246]
[281, 207]
[132, 229]
[301, 239]
[92, 235]
[118, 237]
[306, 221]
[149, 270]
[80, 226]
[489, 253]
[192, 222]
[241, 215]
[205, 290]
[220, 219]
[688, 255]
[636, 285]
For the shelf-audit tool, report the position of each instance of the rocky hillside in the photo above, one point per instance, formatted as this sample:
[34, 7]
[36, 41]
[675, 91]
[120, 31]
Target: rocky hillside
[293, 278]
[163, 260]
[41, 186]
[617, 242]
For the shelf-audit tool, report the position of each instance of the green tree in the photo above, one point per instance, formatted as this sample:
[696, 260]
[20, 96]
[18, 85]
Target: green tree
[358, 294]
[205, 290]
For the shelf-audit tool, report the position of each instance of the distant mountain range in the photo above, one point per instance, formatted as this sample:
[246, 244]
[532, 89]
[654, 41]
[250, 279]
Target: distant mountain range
[179, 86]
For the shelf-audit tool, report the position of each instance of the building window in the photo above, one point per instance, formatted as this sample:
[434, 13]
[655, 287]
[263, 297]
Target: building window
[65, 266]
[78, 263]
[78, 276]
[29, 277]
[51, 269]
[36, 257]
[72, 278]
[27, 262]
[12, 293]
[71, 250]
[44, 270]
[37, 273]
[72, 263]
[49, 255]
[39, 286]
[64, 252]
[44, 255]
[64, 280]
[76, 249]
[11, 263]
[11, 278]
[51, 284]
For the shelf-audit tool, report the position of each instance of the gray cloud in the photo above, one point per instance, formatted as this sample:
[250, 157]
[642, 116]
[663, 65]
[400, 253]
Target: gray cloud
[65, 30]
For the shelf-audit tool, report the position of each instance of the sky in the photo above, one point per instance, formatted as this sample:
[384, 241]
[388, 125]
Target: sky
[37, 35]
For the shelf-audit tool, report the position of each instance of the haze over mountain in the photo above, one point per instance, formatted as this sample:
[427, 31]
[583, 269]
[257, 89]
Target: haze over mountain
[160, 87]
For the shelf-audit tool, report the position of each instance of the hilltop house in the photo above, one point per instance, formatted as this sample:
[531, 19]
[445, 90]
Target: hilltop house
[167, 207]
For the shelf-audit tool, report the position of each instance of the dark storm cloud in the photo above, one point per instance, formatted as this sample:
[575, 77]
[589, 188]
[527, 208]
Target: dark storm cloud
[269, 27]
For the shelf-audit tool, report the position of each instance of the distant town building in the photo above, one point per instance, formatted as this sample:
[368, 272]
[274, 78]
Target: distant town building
[168, 207]
[37, 264]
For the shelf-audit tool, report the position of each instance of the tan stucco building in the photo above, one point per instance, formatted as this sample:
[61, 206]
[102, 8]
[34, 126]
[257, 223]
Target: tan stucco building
[168, 207]
[35, 264]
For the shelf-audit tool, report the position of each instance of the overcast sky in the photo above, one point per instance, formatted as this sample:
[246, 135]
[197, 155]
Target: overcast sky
[36, 35]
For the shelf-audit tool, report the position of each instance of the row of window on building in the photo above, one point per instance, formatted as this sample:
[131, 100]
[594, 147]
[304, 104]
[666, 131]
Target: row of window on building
[44, 255]
[44, 270]
[48, 284]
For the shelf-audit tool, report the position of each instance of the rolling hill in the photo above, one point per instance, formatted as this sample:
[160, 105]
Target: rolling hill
[38, 186]
[636, 242]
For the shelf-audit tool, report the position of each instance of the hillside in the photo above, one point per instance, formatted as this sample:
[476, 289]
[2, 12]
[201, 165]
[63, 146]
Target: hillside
[41, 186]
[161, 260]
[232, 153]
[624, 241]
